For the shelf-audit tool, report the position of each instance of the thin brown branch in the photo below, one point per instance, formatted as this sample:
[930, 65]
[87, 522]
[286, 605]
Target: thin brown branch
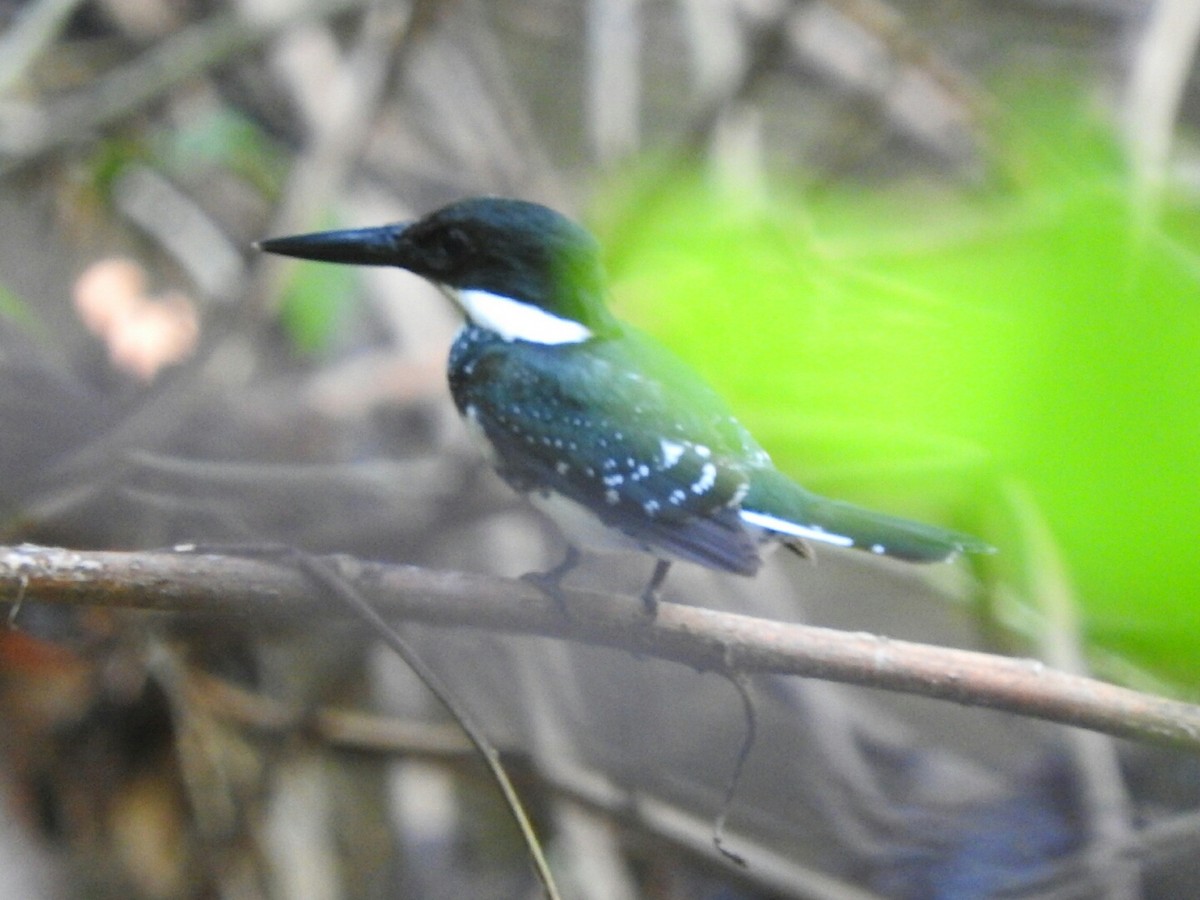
[1102, 789]
[650, 815]
[324, 575]
[700, 638]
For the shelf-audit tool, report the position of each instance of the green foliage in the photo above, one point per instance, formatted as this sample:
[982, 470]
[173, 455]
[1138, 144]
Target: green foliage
[914, 349]
[14, 308]
[108, 160]
[314, 303]
[223, 138]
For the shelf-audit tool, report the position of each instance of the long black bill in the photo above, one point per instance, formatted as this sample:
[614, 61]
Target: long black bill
[356, 246]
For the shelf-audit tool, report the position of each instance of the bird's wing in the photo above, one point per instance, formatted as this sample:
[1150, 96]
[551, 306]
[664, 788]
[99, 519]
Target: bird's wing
[657, 457]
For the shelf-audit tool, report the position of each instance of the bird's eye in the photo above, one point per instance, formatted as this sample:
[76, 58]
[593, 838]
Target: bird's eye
[445, 250]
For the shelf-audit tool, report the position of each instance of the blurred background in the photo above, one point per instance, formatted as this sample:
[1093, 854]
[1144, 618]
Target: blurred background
[942, 258]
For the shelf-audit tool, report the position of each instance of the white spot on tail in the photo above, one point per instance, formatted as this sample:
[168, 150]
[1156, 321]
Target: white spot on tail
[672, 452]
[783, 526]
[708, 477]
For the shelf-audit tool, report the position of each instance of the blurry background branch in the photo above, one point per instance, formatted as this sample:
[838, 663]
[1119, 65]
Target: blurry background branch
[123, 92]
[206, 584]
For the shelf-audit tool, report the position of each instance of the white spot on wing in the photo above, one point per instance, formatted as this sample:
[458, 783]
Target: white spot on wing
[783, 526]
[672, 451]
[708, 477]
[514, 320]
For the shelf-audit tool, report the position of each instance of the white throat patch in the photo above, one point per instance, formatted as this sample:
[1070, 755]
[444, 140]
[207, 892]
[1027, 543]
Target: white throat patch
[517, 321]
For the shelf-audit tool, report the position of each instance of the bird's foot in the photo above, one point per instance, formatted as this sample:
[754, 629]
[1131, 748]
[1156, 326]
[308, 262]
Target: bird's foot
[801, 548]
[650, 596]
[550, 581]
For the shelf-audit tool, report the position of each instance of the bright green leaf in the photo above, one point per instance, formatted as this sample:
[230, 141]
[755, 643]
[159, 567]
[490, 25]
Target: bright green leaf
[910, 348]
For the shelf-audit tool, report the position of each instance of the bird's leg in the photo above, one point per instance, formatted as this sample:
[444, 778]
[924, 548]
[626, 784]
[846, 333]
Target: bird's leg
[550, 581]
[801, 548]
[650, 594]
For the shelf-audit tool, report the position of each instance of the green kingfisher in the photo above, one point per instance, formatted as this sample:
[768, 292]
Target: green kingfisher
[613, 437]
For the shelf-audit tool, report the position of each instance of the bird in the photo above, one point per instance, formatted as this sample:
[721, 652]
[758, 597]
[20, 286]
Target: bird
[603, 429]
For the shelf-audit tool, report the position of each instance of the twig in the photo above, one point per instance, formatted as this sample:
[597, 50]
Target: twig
[343, 727]
[699, 638]
[34, 28]
[614, 91]
[339, 125]
[649, 815]
[741, 684]
[1164, 54]
[327, 577]
[766, 868]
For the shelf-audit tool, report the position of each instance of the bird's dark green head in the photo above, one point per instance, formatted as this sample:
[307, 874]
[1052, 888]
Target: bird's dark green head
[484, 251]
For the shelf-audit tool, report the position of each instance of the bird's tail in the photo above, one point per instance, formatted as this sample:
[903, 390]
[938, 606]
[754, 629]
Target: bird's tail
[783, 508]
